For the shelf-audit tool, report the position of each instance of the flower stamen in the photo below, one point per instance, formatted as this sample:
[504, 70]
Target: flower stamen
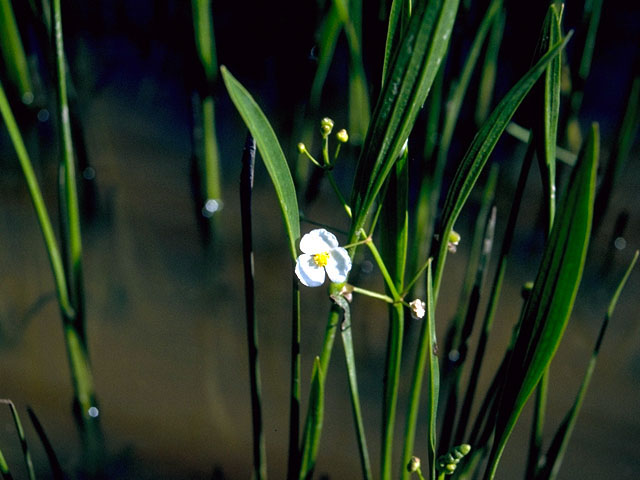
[321, 259]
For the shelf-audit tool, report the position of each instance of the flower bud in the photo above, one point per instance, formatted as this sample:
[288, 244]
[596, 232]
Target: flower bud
[413, 465]
[454, 240]
[326, 125]
[417, 309]
[301, 148]
[342, 136]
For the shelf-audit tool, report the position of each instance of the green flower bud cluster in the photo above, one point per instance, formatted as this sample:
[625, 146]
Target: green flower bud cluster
[448, 462]
[326, 126]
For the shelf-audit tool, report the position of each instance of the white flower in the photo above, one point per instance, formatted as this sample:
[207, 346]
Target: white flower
[320, 253]
[417, 308]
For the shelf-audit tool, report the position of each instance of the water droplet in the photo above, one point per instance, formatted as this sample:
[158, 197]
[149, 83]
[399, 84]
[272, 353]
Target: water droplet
[620, 243]
[367, 267]
[93, 412]
[211, 206]
[454, 355]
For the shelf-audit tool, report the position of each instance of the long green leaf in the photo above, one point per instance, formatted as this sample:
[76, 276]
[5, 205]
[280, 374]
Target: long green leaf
[489, 68]
[479, 151]
[347, 342]
[410, 76]
[271, 153]
[558, 447]
[313, 426]
[399, 15]
[548, 309]
[545, 130]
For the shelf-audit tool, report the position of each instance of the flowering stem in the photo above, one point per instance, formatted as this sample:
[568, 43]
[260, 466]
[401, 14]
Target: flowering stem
[384, 271]
[347, 208]
[310, 157]
[417, 277]
[369, 293]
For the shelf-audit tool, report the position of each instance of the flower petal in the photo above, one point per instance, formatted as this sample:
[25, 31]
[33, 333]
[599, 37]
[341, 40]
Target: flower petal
[310, 274]
[338, 265]
[317, 241]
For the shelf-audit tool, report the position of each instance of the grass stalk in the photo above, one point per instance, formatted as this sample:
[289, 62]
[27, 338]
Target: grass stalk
[246, 186]
[12, 52]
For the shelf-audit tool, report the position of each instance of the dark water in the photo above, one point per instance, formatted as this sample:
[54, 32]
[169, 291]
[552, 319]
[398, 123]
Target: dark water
[166, 315]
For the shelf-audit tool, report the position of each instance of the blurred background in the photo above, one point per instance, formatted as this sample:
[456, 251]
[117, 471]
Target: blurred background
[165, 301]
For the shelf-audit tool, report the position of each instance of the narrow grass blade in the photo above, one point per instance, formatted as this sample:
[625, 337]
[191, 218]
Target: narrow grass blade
[347, 342]
[426, 361]
[4, 468]
[620, 152]
[558, 447]
[68, 200]
[545, 129]
[23, 441]
[359, 110]
[328, 38]
[461, 347]
[409, 79]
[293, 465]
[210, 161]
[12, 52]
[454, 104]
[51, 244]
[399, 15]
[478, 153]
[56, 469]
[246, 187]
[394, 233]
[205, 39]
[271, 153]
[549, 306]
[489, 68]
[313, 426]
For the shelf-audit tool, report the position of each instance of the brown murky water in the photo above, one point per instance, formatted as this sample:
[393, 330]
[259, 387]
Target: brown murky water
[167, 332]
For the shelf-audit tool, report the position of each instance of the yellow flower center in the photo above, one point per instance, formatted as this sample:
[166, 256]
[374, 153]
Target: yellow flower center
[321, 259]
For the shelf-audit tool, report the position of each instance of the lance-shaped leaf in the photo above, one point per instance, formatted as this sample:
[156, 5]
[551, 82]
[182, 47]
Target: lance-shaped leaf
[545, 129]
[561, 439]
[548, 309]
[271, 153]
[409, 78]
[479, 151]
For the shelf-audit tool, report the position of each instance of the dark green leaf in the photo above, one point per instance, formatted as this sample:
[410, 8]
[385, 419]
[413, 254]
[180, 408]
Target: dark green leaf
[548, 309]
[410, 76]
[561, 439]
[545, 129]
[479, 151]
[271, 153]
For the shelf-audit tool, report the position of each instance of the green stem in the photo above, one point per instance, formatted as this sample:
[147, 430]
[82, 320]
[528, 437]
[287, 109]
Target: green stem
[343, 202]
[391, 382]
[384, 271]
[369, 293]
